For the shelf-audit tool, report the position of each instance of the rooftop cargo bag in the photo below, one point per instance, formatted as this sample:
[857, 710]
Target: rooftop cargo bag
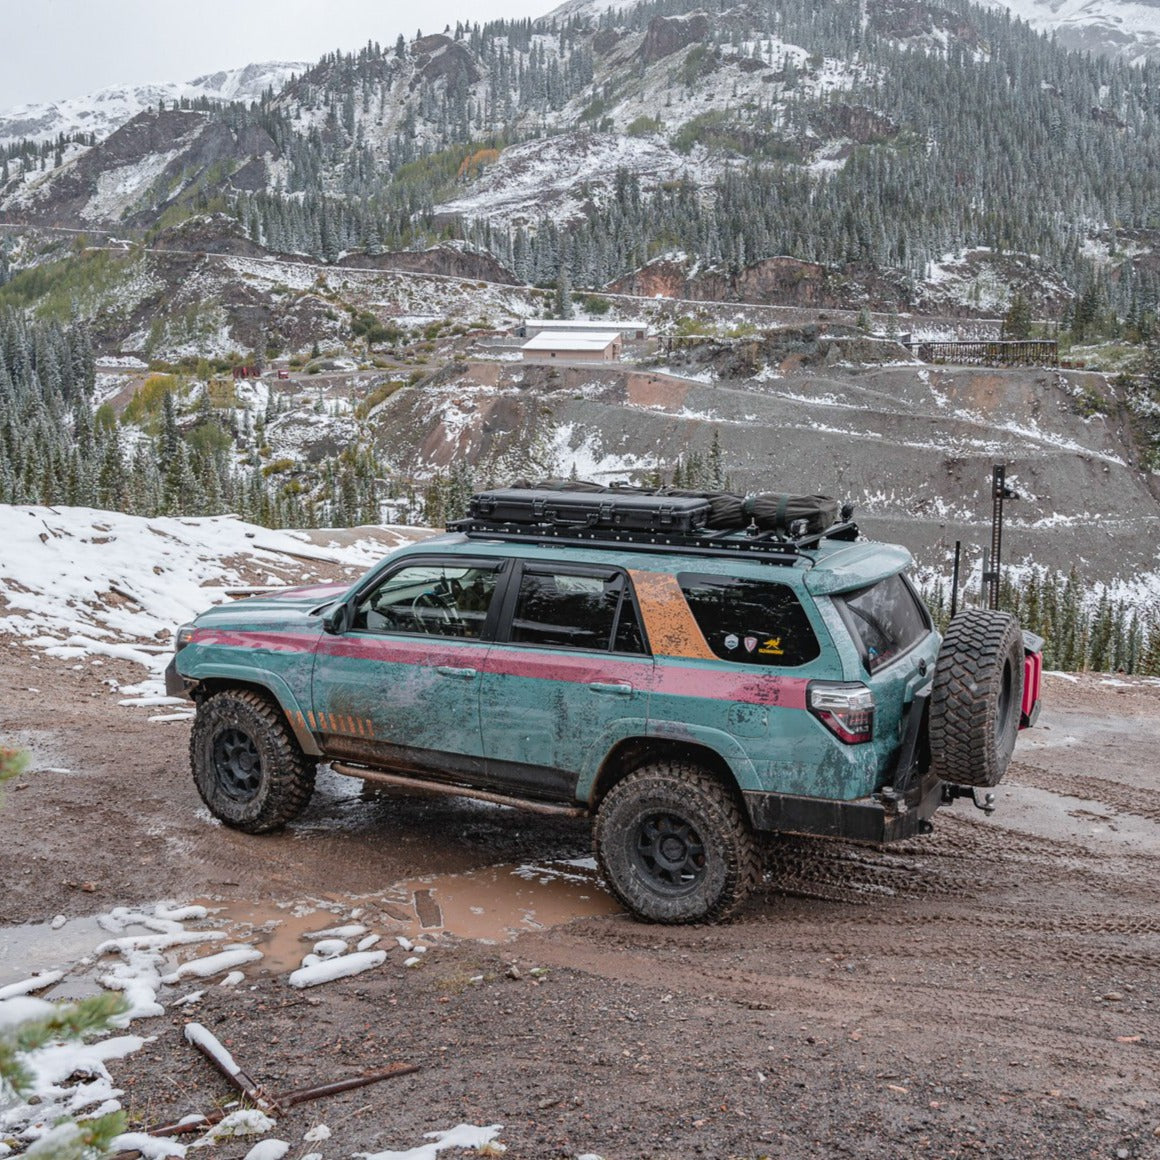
[772, 512]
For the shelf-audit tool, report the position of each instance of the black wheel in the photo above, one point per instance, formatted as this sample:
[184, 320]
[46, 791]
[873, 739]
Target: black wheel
[977, 698]
[247, 764]
[674, 846]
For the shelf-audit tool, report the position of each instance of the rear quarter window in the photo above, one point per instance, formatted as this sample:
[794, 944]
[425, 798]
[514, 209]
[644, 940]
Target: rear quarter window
[886, 620]
[752, 622]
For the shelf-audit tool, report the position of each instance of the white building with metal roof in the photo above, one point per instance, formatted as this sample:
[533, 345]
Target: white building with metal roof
[563, 346]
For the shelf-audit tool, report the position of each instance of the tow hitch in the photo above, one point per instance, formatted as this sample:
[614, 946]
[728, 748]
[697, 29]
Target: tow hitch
[987, 805]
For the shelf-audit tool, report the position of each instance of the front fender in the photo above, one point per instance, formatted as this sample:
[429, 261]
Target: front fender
[262, 679]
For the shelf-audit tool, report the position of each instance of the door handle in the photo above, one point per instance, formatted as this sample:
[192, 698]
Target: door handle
[620, 688]
[452, 671]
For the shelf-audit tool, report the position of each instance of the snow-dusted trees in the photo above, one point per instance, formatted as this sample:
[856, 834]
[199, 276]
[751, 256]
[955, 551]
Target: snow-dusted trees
[996, 139]
[182, 455]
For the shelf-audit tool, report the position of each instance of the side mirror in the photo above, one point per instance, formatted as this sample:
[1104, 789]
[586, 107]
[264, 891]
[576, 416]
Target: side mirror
[336, 620]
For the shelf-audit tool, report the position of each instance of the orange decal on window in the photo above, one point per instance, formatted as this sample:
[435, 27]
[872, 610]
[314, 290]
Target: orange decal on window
[671, 629]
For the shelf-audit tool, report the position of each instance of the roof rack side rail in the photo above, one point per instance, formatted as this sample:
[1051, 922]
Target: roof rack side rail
[773, 551]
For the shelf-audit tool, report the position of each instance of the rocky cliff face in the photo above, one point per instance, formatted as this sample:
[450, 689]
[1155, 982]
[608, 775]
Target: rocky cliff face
[786, 281]
[131, 176]
[667, 35]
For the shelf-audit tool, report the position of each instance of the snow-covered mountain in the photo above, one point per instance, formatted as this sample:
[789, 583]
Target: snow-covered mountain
[754, 146]
[1125, 28]
[101, 113]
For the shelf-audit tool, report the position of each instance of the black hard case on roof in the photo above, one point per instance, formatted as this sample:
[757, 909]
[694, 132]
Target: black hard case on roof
[563, 509]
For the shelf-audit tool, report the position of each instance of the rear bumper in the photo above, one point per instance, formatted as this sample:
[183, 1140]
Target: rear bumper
[863, 819]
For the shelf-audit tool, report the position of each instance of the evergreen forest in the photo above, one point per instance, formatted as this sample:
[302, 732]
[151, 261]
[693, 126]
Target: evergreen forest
[998, 140]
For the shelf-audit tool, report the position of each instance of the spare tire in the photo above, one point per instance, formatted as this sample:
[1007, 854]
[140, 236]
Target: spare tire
[977, 698]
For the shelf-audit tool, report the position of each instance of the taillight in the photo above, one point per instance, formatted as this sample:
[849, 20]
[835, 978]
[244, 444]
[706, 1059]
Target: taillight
[847, 711]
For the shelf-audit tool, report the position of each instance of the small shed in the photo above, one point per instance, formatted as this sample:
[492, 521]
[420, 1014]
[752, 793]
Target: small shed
[561, 346]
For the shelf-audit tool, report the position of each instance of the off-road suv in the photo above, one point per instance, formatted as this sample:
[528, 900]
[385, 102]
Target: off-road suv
[622, 655]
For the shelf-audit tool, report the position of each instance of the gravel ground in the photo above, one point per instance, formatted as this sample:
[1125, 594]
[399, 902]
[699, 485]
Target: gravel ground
[990, 990]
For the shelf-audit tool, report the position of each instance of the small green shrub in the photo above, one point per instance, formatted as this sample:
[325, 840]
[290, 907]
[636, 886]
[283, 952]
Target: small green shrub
[643, 126]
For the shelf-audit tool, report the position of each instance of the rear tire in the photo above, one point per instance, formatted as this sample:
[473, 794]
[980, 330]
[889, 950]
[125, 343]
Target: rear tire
[674, 846]
[977, 698]
[247, 764]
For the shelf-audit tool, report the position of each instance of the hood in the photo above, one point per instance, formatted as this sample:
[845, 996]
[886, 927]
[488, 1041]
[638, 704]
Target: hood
[289, 604]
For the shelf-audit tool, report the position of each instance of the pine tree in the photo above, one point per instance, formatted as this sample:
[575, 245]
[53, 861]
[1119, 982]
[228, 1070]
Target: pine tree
[716, 464]
[563, 294]
[1152, 367]
[1017, 320]
[435, 501]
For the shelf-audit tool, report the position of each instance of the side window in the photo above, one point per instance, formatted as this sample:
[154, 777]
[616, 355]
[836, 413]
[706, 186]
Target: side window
[571, 610]
[753, 622]
[433, 599]
[887, 619]
[629, 637]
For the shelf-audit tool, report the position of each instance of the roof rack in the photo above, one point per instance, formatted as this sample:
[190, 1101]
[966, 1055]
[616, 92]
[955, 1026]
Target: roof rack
[635, 520]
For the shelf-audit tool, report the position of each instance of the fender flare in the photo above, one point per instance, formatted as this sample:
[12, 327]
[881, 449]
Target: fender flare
[272, 684]
[727, 748]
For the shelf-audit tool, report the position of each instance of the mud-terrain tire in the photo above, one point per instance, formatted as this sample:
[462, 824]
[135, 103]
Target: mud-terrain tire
[674, 846]
[247, 764]
[977, 698]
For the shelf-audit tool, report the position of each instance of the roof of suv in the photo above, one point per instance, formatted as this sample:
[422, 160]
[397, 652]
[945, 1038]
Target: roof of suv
[828, 567]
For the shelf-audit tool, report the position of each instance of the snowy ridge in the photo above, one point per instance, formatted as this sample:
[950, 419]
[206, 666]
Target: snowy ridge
[108, 109]
[1126, 28]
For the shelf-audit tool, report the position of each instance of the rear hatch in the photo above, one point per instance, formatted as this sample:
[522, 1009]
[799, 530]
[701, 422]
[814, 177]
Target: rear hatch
[898, 646]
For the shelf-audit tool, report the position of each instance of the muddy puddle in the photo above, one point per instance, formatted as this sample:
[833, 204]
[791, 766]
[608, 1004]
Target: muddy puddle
[42, 947]
[492, 905]
[495, 904]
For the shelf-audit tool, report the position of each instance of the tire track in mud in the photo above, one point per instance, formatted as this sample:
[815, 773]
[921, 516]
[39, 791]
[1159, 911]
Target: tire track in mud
[964, 859]
[1121, 798]
[1013, 937]
[1128, 926]
[958, 945]
[961, 835]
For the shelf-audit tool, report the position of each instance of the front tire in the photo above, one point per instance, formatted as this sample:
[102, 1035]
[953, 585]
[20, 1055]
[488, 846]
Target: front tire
[674, 845]
[247, 764]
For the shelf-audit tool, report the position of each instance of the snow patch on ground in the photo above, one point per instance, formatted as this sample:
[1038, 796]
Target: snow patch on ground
[71, 1078]
[79, 583]
[582, 452]
[560, 176]
[466, 1136]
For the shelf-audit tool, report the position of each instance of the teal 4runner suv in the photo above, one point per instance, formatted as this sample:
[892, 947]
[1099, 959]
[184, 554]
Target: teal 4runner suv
[691, 671]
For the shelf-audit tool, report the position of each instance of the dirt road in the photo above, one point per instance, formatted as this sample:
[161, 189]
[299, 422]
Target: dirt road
[991, 990]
